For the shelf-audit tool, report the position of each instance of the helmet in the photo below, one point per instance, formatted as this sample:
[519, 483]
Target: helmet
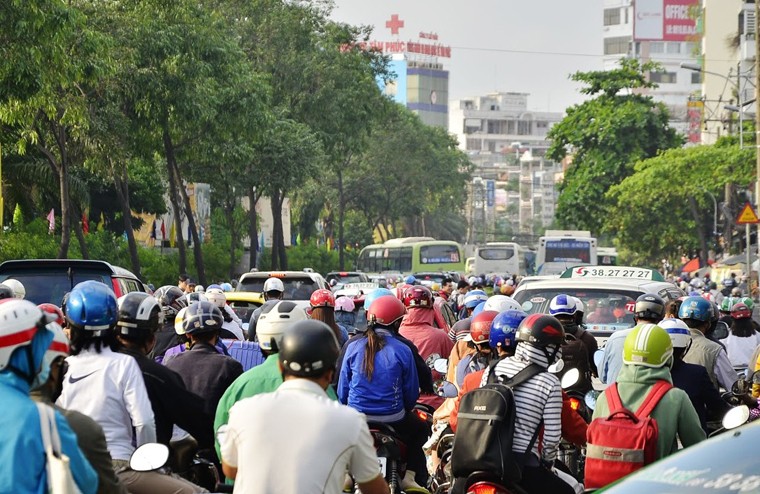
[741, 311]
[727, 304]
[418, 296]
[374, 295]
[695, 308]
[507, 289]
[226, 287]
[6, 292]
[322, 298]
[16, 287]
[504, 328]
[171, 299]
[199, 289]
[202, 317]
[478, 308]
[308, 348]
[179, 320]
[480, 327]
[139, 313]
[736, 292]
[92, 306]
[216, 296]
[647, 345]
[541, 330]
[474, 297]
[274, 319]
[748, 302]
[410, 280]
[19, 322]
[213, 285]
[273, 285]
[500, 303]
[55, 311]
[563, 305]
[678, 331]
[579, 306]
[59, 347]
[649, 306]
[345, 304]
[385, 311]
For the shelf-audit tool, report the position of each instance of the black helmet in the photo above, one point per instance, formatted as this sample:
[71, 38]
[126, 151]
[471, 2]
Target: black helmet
[171, 300]
[541, 330]
[308, 348]
[202, 317]
[5, 291]
[139, 314]
[649, 306]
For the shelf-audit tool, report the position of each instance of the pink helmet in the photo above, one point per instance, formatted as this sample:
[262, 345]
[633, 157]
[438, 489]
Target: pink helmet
[345, 304]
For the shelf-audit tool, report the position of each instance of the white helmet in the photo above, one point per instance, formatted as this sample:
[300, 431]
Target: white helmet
[500, 303]
[579, 306]
[275, 319]
[17, 287]
[178, 320]
[200, 289]
[19, 322]
[678, 331]
[59, 347]
[274, 285]
[563, 305]
[217, 297]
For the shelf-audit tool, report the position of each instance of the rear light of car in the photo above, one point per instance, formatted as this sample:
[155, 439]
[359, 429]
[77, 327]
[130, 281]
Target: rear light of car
[486, 488]
[343, 273]
[276, 275]
[116, 287]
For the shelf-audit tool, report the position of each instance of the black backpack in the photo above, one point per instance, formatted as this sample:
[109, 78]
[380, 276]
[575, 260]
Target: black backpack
[486, 426]
[575, 355]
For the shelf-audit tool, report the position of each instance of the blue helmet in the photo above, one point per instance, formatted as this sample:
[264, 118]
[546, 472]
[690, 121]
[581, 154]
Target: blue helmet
[214, 285]
[226, 287]
[474, 297]
[374, 295]
[478, 309]
[92, 306]
[697, 308]
[410, 280]
[563, 305]
[504, 328]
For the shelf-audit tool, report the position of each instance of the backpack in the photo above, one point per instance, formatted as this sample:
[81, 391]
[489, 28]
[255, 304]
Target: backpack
[486, 426]
[622, 442]
[575, 355]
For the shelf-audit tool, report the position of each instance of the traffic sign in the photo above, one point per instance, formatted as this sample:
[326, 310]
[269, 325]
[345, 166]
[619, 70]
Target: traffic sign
[747, 216]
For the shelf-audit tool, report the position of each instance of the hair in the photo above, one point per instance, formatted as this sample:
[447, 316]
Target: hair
[82, 339]
[446, 281]
[678, 354]
[742, 328]
[273, 295]
[184, 277]
[327, 316]
[672, 307]
[462, 284]
[138, 337]
[375, 343]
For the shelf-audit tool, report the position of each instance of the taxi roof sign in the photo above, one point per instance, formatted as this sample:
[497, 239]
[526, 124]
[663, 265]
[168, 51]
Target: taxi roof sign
[747, 216]
[621, 272]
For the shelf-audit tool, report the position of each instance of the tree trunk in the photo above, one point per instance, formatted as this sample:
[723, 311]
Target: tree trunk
[279, 259]
[76, 211]
[229, 214]
[121, 184]
[728, 217]
[700, 231]
[174, 185]
[197, 251]
[63, 178]
[253, 233]
[341, 218]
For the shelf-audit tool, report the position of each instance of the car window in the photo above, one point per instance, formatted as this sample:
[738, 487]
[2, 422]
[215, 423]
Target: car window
[244, 308]
[46, 286]
[296, 287]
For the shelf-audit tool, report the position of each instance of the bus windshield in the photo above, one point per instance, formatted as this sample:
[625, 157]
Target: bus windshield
[439, 254]
[568, 250]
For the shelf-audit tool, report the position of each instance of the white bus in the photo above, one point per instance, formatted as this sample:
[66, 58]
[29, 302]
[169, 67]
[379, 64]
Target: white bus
[607, 256]
[561, 249]
[502, 258]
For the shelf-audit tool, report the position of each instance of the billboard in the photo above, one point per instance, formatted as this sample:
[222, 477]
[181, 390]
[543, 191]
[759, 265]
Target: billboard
[695, 110]
[665, 20]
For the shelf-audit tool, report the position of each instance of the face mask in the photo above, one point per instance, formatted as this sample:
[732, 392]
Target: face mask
[42, 377]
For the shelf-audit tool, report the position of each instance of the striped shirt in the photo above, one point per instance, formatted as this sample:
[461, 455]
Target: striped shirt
[538, 398]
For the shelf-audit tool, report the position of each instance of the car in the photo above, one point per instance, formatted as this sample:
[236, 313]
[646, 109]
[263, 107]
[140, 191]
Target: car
[48, 280]
[346, 277]
[608, 293]
[244, 303]
[299, 285]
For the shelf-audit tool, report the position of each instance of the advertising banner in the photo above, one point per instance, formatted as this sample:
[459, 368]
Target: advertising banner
[665, 20]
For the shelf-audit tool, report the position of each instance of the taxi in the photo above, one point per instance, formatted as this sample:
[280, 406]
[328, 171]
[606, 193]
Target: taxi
[299, 285]
[244, 303]
[608, 294]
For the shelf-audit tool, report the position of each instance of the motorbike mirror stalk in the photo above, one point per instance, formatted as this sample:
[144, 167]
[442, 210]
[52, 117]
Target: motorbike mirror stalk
[441, 365]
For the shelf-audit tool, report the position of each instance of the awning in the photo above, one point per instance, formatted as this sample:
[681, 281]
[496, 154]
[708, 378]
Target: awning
[690, 266]
[738, 259]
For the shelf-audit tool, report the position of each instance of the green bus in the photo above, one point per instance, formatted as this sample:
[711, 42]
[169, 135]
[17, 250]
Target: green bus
[411, 255]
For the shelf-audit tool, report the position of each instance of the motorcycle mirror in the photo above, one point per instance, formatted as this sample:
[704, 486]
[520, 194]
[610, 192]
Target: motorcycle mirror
[721, 331]
[590, 399]
[557, 367]
[740, 386]
[570, 378]
[735, 417]
[447, 390]
[441, 365]
[598, 358]
[149, 457]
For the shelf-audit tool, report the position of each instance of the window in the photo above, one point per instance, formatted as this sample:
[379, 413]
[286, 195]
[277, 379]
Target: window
[616, 45]
[473, 145]
[656, 47]
[674, 47]
[626, 14]
[663, 77]
[436, 254]
[611, 17]
[523, 127]
[496, 253]
[696, 77]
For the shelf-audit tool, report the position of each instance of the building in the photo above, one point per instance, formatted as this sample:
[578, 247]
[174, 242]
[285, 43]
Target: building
[664, 31]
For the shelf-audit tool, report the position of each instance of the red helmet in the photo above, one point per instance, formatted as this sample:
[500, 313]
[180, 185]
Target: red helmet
[385, 311]
[741, 311]
[480, 327]
[418, 296]
[400, 289]
[53, 309]
[541, 330]
[322, 298]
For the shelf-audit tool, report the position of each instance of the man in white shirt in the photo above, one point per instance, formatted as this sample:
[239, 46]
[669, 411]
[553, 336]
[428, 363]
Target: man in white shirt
[296, 439]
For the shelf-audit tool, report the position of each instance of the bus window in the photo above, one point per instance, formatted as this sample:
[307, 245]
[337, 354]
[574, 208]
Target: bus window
[567, 251]
[439, 254]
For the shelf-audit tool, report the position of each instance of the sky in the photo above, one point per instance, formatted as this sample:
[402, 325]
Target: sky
[527, 46]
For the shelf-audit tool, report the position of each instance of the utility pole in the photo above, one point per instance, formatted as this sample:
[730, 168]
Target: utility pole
[757, 131]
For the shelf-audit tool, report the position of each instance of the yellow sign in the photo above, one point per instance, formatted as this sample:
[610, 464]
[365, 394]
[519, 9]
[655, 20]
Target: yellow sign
[747, 216]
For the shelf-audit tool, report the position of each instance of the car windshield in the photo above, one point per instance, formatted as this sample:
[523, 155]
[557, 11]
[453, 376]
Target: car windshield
[345, 279]
[244, 309]
[296, 287]
[46, 286]
[605, 309]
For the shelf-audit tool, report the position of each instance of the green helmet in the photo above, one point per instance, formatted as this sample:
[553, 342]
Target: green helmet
[648, 345]
[748, 302]
[727, 304]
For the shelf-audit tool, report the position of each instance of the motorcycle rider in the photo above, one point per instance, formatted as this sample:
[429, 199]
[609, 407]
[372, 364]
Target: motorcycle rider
[344, 314]
[322, 304]
[696, 312]
[295, 456]
[649, 309]
[378, 377]
[172, 403]
[171, 300]
[563, 308]
[230, 329]
[479, 340]
[16, 287]
[743, 339]
[24, 341]
[273, 290]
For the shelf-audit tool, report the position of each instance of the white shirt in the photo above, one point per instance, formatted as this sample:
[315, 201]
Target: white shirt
[740, 349]
[109, 387]
[297, 440]
[234, 328]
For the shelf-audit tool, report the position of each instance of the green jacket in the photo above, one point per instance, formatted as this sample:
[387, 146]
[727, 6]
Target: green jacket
[675, 415]
[263, 378]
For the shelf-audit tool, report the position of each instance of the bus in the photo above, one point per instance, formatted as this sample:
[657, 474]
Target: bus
[411, 255]
[561, 249]
[607, 256]
[503, 258]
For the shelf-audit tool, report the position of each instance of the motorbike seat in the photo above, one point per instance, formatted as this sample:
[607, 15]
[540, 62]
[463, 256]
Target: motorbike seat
[382, 428]
[182, 453]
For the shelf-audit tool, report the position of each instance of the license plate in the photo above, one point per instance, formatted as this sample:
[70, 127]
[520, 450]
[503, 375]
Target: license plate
[383, 462]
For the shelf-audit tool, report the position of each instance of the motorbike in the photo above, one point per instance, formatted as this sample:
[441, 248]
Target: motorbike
[190, 463]
[569, 455]
[741, 393]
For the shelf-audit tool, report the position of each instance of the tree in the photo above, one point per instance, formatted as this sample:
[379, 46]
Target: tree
[604, 136]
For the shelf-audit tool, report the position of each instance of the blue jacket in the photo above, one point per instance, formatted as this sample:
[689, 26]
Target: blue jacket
[394, 388]
[21, 451]
[694, 379]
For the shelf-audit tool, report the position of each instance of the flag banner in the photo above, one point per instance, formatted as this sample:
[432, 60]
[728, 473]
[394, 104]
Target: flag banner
[51, 221]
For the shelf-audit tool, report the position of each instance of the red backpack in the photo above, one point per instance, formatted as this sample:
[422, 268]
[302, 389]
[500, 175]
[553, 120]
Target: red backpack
[622, 442]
